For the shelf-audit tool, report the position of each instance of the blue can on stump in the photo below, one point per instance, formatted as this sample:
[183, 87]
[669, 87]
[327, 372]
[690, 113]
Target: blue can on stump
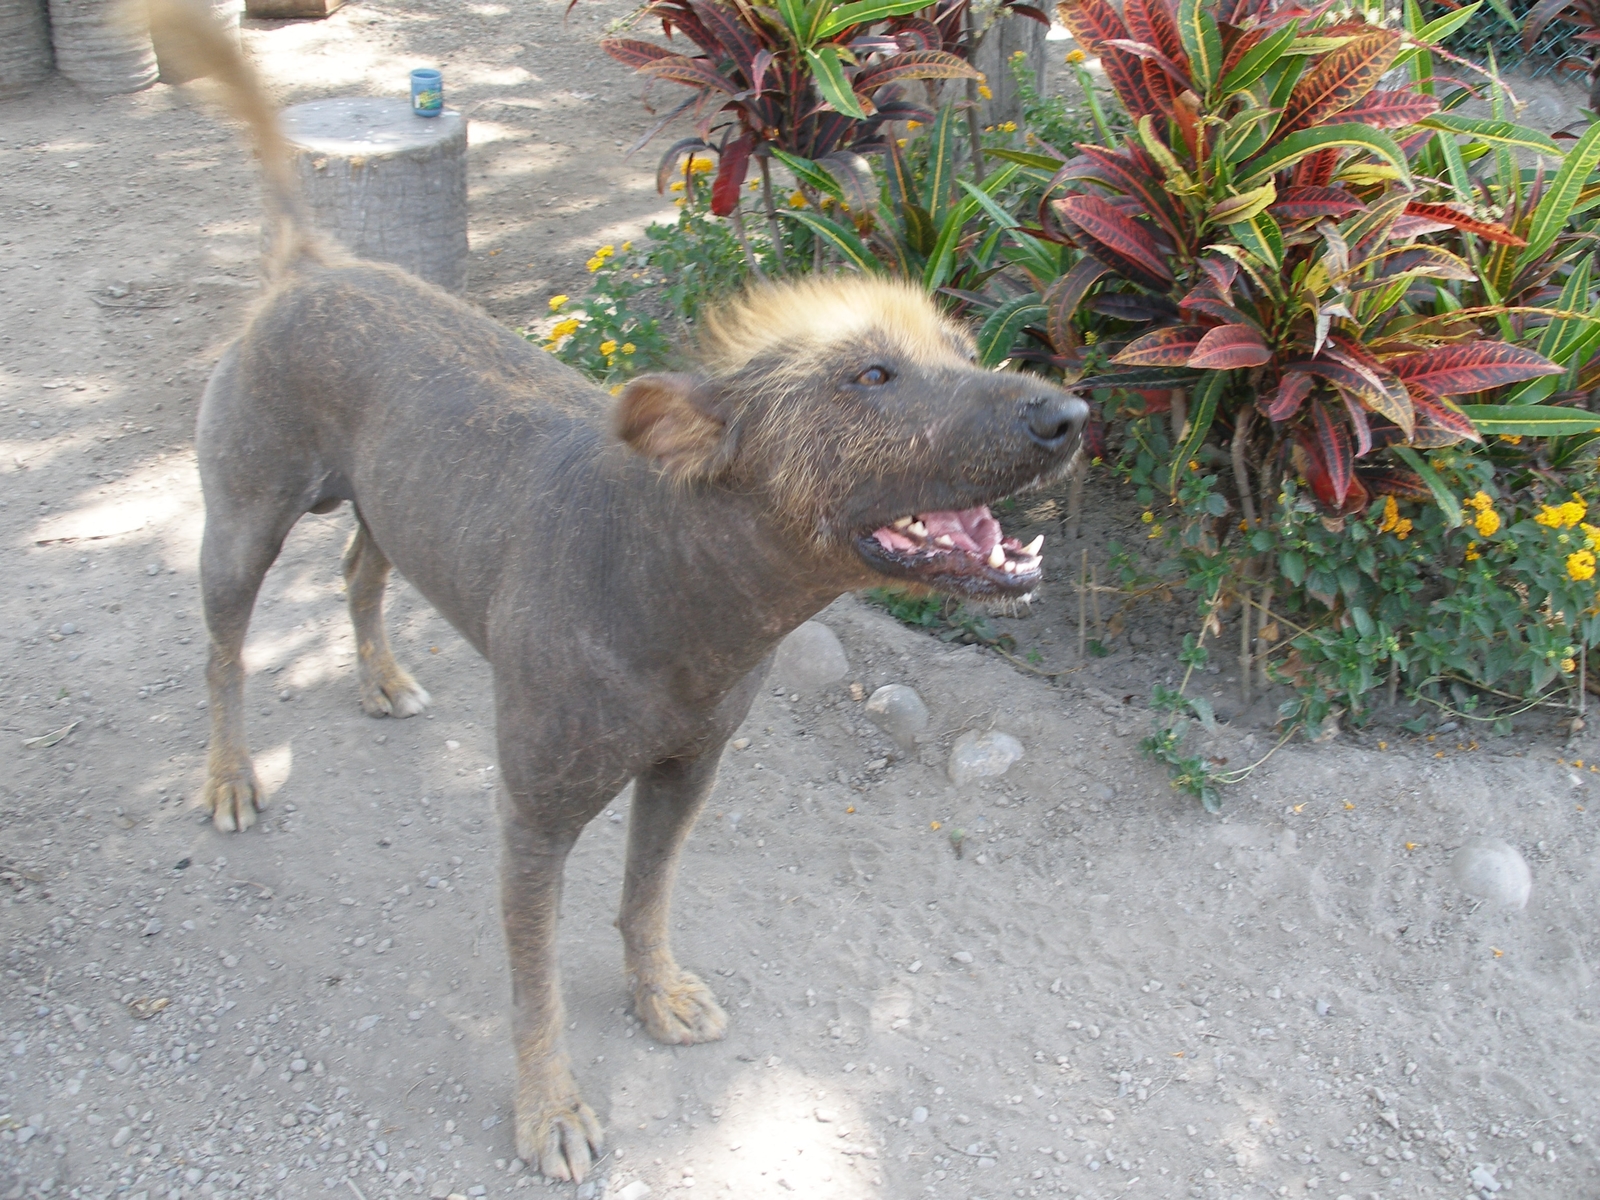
[427, 92]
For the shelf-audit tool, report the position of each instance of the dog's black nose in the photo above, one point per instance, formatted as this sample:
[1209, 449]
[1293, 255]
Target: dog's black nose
[1052, 421]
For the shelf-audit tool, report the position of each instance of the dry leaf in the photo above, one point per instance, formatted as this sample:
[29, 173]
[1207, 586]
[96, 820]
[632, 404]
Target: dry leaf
[45, 740]
[144, 1007]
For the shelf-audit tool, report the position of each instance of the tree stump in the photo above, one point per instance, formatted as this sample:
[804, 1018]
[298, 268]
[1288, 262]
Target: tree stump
[24, 46]
[99, 49]
[276, 9]
[1009, 33]
[386, 184]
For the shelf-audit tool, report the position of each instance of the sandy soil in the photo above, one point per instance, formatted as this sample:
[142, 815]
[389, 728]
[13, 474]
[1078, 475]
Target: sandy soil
[1106, 993]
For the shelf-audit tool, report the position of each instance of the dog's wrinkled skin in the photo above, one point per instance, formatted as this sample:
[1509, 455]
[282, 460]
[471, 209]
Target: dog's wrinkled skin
[626, 567]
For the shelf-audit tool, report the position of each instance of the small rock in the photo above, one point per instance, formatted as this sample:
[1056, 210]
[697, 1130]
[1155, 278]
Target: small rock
[120, 1138]
[963, 957]
[741, 743]
[299, 1065]
[826, 1116]
[152, 927]
[918, 1115]
[152, 569]
[1324, 1006]
[810, 658]
[898, 711]
[119, 1062]
[288, 1120]
[1492, 870]
[637, 1190]
[1482, 1178]
[978, 755]
[1107, 1116]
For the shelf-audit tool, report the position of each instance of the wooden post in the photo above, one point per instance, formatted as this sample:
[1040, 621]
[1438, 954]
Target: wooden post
[24, 46]
[385, 183]
[98, 50]
[1008, 33]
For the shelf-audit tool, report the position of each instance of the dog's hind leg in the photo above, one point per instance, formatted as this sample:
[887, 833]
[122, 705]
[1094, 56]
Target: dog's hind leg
[387, 688]
[675, 1005]
[238, 547]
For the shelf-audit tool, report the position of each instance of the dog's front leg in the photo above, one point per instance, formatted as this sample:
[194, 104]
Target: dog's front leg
[674, 1005]
[556, 1131]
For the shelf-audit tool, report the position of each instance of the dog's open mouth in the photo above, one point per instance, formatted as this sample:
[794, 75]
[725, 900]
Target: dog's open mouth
[964, 551]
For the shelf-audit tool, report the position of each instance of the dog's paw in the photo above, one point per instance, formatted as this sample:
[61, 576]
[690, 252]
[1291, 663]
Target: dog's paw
[560, 1138]
[679, 1012]
[232, 795]
[391, 692]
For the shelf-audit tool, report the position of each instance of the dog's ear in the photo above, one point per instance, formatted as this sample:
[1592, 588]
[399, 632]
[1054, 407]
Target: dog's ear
[679, 422]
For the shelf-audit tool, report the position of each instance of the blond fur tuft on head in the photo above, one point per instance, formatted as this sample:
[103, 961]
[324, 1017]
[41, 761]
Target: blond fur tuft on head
[798, 321]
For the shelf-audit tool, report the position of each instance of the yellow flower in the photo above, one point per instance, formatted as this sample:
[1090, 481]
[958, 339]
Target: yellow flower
[557, 301]
[1591, 532]
[1147, 517]
[1391, 515]
[1016, 54]
[677, 186]
[628, 347]
[1076, 56]
[913, 124]
[679, 201]
[609, 346]
[1480, 501]
[1569, 665]
[563, 329]
[1009, 127]
[1565, 515]
[1514, 439]
[605, 252]
[798, 200]
[1580, 565]
[700, 166]
[1487, 522]
[1090, 337]
[1472, 552]
[1155, 531]
[626, 246]
[1402, 528]
[594, 264]
[983, 90]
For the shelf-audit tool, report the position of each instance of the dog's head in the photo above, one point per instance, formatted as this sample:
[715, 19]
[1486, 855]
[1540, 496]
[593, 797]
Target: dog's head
[856, 409]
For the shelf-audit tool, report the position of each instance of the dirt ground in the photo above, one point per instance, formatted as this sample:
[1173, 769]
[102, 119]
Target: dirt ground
[1105, 993]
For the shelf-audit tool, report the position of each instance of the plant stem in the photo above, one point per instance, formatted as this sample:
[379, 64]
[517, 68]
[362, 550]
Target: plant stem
[1086, 82]
[1241, 473]
[1083, 606]
[1179, 416]
[773, 225]
[744, 242]
[973, 131]
[1266, 615]
[1246, 662]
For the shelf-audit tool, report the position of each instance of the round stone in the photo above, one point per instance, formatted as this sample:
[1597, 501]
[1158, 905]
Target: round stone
[810, 658]
[977, 755]
[898, 711]
[1492, 870]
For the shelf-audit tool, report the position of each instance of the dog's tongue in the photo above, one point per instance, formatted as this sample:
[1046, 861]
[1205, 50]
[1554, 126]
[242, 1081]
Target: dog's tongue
[973, 530]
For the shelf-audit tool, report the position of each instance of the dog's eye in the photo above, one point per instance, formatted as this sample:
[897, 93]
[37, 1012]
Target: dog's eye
[874, 376]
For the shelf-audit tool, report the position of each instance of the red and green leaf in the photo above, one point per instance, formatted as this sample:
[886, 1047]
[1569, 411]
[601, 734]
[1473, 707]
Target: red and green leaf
[1093, 23]
[1286, 401]
[1295, 204]
[1340, 78]
[1169, 347]
[1398, 482]
[734, 163]
[1230, 347]
[919, 64]
[1152, 21]
[1391, 110]
[1338, 457]
[1470, 367]
[1436, 413]
[695, 72]
[1448, 214]
[634, 53]
[1116, 240]
[1064, 296]
[1131, 177]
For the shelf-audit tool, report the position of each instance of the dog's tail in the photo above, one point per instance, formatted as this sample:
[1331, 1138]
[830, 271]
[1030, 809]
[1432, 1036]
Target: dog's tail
[201, 47]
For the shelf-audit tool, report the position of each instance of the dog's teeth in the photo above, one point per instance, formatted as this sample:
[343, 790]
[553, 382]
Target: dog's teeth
[997, 557]
[902, 522]
[1032, 548]
[945, 540]
[918, 528]
[1010, 568]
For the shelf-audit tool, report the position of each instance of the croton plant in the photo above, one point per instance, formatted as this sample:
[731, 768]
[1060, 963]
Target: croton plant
[1262, 243]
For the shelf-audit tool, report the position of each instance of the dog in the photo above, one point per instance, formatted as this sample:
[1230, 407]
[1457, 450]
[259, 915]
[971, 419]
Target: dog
[626, 565]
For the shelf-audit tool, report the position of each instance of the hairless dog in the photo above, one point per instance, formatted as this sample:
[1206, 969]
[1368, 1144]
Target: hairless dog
[626, 565]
